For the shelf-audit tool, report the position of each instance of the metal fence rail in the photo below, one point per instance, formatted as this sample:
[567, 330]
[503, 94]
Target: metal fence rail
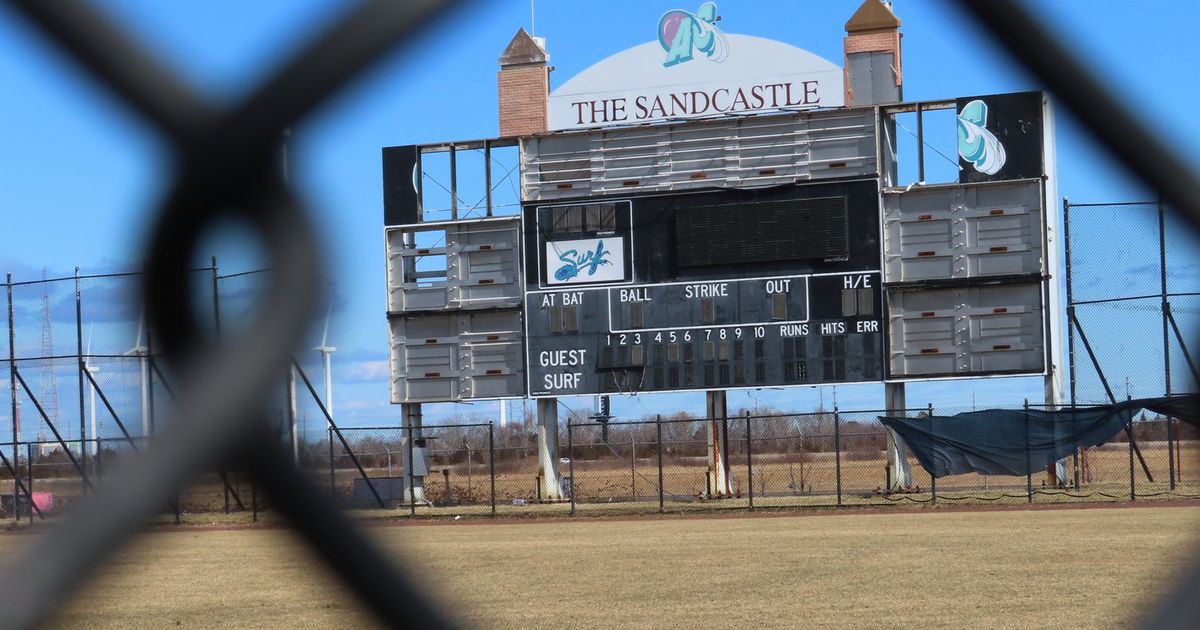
[823, 459]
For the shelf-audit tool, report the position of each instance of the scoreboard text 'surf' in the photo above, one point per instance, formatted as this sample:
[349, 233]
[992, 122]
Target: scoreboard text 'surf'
[708, 290]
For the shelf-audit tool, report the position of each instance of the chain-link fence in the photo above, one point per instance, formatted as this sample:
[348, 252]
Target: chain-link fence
[680, 464]
[1144, 286]
[85, 387]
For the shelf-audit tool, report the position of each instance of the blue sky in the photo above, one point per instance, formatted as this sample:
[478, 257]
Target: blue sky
[80, 176]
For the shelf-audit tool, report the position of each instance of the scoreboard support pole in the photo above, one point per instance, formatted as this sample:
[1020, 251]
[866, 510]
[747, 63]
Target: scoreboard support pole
[719, 485]
[547, 442]
[412, 422]
[899, 473]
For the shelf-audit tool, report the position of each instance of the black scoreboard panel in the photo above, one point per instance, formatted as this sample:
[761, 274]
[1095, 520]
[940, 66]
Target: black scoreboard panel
[799, 229]
[703, 291]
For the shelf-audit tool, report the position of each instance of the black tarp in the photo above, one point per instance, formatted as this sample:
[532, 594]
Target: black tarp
[1019, 441]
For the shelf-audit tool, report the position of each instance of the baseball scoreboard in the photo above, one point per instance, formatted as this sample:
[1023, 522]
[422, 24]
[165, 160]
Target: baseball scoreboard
[760, 251]
[707, 290]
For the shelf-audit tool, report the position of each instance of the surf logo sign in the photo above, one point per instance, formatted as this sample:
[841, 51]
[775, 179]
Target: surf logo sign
[585, 261]
[976, 144]
[682, 34]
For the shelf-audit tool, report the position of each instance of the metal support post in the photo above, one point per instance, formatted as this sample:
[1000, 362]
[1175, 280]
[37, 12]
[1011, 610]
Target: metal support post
[571, 463]
[1132, 482]
[1166, 332]
[1070, 296]
[29, 465]
[1171, 450]
[413, 420]
[408, 470]
[632, 468]
[12, 384]
[547, 443]
[487, 174]
[658, 432]
[1028, 459]
[1165, 305]
[932, 479]
[1132, 445]
[920, 145]
[1075, 455]
[492, 463]
[216, 304]
[719, 485]
[749, 460]
[899, 471]
[332, 476]
[454, 183]
[837, 452]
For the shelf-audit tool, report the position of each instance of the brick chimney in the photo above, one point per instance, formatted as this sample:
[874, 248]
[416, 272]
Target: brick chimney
[872, 63]
[524, 86]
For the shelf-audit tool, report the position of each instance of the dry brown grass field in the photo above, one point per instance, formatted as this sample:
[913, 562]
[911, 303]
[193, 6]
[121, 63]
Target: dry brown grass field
[1085, 568]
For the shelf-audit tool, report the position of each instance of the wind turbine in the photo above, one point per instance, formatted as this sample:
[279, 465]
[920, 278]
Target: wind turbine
[327, 355]
[140, 350]
[87, 365]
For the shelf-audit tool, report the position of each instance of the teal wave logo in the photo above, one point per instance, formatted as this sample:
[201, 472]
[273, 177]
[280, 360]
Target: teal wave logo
[682, 33]
[976, 144]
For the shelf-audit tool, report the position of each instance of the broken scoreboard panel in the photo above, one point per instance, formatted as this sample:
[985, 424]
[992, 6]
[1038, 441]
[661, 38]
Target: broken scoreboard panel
[708, 290]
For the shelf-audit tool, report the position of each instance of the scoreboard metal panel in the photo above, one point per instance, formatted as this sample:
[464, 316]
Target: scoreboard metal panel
[761, 332]
[954, 231]
[730, 152]
[624, 298]
[969, 264]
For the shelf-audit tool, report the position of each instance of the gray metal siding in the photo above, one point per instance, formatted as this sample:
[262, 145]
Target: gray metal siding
[744, 152]
[963, 231]
[965, 331]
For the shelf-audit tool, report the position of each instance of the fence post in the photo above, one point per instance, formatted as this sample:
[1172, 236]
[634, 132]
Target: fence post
[492, 462]
[28, 465]
[1075, 453]
[408, 470]
[571, 462]
[632, 467]
[12, 385]
[658, 430]
[749, 459]
[1178, 459]
[1171, 450]
[1166, 309]
[932, 479]
[1028, 459]
[837, 452]
[332, 475]
[1132, 491]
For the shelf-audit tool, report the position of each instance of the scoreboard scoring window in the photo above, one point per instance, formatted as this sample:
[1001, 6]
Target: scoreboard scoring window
[710, 290]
